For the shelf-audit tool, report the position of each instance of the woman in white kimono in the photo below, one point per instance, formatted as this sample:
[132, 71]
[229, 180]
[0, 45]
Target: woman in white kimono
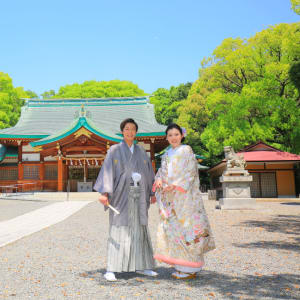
[125, 183]
[184, 233]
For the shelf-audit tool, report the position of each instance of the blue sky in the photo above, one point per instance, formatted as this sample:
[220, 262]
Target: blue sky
[159, 43]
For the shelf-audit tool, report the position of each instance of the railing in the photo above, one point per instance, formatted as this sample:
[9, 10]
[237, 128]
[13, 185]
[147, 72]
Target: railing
[19, 189]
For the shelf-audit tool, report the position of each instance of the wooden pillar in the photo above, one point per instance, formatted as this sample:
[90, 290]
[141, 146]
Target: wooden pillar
[152, 153]
[60, 175]
[20, 166]
[66, 175]
[42, 172]
[20, 171]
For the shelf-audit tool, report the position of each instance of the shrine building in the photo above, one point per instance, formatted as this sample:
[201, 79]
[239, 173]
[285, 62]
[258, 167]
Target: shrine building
[60, 144]
[275, 173]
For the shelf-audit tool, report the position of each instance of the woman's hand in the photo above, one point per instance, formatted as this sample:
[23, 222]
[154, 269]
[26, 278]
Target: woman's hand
[153, 199]
[169, 188]
[157, 185]
[104, 199]
[173, 188]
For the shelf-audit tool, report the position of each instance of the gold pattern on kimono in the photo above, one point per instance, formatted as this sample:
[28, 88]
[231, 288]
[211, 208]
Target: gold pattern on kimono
[182, 221]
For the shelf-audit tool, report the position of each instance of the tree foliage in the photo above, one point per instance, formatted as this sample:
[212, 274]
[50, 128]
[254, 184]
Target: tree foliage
[10, 101]
[245, 93]
[167, 102]
[294, 74]
[48, 94]
[28, 94]
[97, 89]
[296, 6]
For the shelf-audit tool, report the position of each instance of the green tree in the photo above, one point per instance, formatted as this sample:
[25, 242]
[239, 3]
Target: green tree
[245, 93]
[294, 74]
[100, 89]
[31, 94]
[296, 6]
[167, 102]
[25, 94]
[10, 101]
[48, 94]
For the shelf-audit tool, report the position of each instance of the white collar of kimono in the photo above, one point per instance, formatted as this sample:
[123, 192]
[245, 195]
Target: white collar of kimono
[131, 148]
[172, 151]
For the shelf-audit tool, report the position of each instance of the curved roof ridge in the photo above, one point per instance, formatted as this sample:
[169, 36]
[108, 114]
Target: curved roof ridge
[84, 100]
[75, 125]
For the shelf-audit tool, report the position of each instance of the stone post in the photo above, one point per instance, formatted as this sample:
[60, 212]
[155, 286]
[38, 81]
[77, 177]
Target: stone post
[236, 183]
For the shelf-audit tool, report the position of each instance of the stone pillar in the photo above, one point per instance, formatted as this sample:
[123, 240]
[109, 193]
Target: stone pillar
[85, 171]
[236, 190]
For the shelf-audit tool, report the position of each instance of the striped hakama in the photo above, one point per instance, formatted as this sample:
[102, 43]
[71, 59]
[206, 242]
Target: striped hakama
[129, 247]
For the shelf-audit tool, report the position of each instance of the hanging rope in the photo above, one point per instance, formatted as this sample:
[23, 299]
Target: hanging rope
[82, 161]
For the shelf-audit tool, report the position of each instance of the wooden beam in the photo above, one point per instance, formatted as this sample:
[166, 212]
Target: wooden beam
[82, 148]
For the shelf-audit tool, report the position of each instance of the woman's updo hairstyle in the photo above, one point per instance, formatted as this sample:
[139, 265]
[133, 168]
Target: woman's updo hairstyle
[174, 125]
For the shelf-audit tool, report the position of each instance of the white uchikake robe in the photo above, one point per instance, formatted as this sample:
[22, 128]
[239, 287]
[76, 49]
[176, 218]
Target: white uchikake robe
[184, 233]
[171, 152]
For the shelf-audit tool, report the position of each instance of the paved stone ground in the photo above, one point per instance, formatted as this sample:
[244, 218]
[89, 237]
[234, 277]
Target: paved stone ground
[36, 220]
[257, 257]
[11, 208]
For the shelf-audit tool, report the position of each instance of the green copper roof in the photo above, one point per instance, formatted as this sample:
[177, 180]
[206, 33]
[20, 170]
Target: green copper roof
[77, 124]
[48, 119]
[162, 133]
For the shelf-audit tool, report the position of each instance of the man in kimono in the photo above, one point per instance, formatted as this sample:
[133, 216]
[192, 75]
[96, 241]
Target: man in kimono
[125, 183]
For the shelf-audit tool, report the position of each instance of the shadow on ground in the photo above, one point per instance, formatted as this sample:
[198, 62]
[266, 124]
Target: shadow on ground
[285, 224]
[277, 286]
[289, 246]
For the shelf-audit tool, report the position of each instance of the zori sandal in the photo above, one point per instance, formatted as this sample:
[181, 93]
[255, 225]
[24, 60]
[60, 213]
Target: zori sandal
[182, 275]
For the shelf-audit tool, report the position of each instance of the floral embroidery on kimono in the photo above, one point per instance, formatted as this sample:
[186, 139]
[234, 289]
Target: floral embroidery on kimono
[184, 234]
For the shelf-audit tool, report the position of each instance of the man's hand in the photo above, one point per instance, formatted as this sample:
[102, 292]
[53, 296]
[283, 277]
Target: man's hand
[153, 199]
[104, 199]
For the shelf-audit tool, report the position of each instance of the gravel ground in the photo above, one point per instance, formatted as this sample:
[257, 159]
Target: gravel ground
[257, 257]
[12, 208]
